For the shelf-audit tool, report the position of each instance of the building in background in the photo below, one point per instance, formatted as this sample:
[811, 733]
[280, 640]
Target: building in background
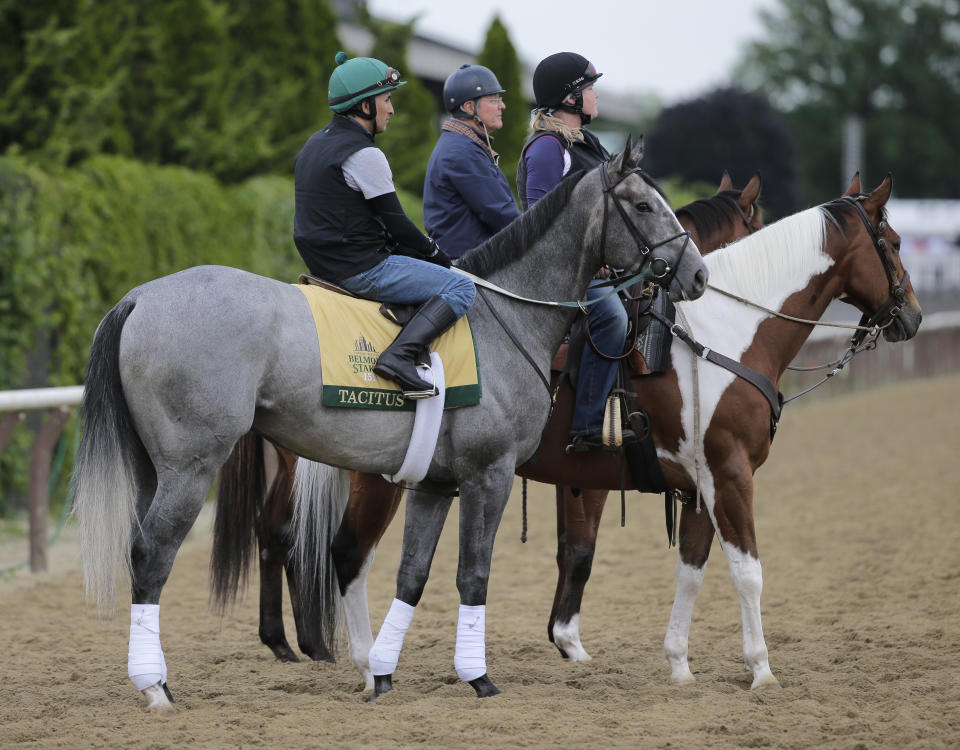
[432, 60]
[930, 242]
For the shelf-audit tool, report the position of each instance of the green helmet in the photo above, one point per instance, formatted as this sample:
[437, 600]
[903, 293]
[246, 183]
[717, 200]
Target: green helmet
[356, 79]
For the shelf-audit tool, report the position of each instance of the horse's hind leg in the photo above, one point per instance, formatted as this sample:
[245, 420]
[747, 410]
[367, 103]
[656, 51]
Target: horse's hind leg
[273, 541]
[372, 505]
[578, 521]
[180, 493]
[693, 548]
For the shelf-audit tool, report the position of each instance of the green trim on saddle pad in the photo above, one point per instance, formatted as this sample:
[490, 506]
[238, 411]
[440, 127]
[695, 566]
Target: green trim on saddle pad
[351, 333]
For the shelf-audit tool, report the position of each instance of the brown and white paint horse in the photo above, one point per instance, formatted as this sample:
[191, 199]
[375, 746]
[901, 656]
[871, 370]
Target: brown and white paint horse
[244, 514]
[712, 429]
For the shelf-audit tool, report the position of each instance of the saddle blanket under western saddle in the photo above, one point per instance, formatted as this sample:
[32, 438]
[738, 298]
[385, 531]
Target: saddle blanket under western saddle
[351, 333]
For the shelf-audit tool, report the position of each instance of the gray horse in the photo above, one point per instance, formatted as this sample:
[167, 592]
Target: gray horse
[185, 365]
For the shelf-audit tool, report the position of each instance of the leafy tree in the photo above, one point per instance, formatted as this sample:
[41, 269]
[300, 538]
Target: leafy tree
[890, 64]
[413, 129]
[727, 129]
[231, 87]
[499, 55]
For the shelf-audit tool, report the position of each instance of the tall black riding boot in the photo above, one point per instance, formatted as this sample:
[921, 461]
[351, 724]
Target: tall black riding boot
[398, 362]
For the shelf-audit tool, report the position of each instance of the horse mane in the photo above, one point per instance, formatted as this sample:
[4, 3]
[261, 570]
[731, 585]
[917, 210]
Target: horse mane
[791, 246]
[711, 215]
[511, 242]
[840, 209]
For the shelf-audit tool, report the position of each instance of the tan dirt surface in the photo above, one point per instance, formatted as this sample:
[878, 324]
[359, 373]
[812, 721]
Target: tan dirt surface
[859, 531]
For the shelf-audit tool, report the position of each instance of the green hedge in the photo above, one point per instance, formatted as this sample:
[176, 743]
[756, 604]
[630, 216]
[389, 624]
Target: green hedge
[73, 242]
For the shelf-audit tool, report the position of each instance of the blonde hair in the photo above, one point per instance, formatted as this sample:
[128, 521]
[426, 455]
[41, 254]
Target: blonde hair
[541, 120]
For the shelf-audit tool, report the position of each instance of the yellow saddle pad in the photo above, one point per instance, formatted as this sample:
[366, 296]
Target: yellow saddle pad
[351, 333]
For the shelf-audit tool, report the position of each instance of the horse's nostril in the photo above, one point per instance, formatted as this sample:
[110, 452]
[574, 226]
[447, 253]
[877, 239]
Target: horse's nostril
[701, 278]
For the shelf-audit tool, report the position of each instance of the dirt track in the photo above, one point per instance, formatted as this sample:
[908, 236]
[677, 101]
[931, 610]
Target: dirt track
[859, 532]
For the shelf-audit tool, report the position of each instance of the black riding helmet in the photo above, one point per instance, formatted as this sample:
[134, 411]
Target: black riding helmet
[561, 75]
[469, 83]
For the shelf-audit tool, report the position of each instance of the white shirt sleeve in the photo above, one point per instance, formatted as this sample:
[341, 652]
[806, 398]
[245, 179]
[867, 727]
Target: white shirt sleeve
[368, 171]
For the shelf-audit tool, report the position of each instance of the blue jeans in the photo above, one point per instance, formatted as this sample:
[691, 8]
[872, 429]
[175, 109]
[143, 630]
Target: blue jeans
[608, 329]
[411, 281]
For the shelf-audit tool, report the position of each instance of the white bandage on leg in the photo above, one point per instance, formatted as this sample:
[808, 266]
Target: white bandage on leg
[470, 657]
[145, 663]
[386, 649]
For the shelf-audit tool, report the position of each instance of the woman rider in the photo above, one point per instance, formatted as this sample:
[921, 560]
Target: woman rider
[347, 216]
[559, 144]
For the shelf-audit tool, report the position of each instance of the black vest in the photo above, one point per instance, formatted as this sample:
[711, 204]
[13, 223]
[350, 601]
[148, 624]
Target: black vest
[335, 229]
[585, 154]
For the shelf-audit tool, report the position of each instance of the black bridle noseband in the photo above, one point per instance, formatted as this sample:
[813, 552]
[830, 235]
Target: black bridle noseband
[660, 269]
[892, 308]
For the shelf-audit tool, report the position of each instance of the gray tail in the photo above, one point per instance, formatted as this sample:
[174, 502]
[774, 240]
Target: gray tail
[240, 499]
[103, 500]
[321, 493]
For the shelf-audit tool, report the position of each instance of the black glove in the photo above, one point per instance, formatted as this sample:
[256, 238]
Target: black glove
[438, 256]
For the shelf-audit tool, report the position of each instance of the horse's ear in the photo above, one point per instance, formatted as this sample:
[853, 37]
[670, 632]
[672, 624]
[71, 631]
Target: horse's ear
[725, 183]
[879, 197]
[621, 163]
[751, 191]
[636, 156]
[854, 186]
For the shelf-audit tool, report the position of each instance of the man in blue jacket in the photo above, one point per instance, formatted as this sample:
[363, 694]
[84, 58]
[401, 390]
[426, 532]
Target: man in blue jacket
[466, 198]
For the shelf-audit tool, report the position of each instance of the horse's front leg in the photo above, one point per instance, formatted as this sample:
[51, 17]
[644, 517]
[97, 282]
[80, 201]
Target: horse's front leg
[372, 505]
[734, 514]
[578, 521]
[482, 501]
[424, 521]
[693, 548]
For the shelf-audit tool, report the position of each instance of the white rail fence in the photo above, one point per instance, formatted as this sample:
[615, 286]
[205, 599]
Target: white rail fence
[934, 352]
[13, 405]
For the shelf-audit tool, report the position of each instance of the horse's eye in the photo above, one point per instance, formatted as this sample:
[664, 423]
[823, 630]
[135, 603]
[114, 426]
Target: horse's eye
[643, 207]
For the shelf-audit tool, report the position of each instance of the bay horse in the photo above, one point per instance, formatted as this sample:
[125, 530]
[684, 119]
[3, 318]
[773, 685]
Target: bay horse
[713, 428]
[185, 365]
[255, 497]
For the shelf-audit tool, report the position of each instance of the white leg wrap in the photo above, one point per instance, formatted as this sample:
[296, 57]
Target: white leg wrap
[470, 657]
[145, 663]
[386, 649]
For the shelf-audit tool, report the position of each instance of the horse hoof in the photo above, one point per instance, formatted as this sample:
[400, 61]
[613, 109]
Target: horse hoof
[159, 698]
[484, 687]
[765, 681]
[283, 652]
[382, 683]
[682, 679]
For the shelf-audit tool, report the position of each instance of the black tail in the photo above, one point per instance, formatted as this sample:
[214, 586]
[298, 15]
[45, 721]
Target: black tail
[240, 495]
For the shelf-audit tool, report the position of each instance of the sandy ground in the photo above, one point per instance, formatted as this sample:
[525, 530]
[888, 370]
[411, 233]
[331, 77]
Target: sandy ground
[859, 531]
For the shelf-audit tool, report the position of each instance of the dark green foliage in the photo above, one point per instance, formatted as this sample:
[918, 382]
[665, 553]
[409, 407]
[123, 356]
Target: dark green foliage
[730, 130]
[232, 87]
[74, 241]
[499, 55]
[893, 63]
[413, 130]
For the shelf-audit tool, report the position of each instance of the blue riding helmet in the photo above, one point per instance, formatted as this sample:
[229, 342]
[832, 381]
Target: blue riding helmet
[467, 83]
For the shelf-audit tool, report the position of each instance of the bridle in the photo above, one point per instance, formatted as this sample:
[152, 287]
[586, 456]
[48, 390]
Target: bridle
[659, 268]
[891, 309]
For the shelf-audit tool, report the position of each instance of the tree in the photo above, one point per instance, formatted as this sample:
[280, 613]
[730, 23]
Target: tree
[499, 55]
[891, 65]
[413, 129]
[229, 87]
[728, 129]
